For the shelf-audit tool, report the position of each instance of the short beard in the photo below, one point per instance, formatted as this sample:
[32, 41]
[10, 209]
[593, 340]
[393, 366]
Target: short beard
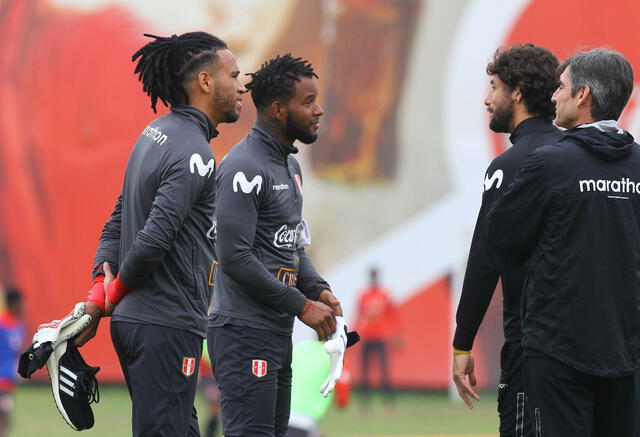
[297, 133]
[501, 119]
[230, 114]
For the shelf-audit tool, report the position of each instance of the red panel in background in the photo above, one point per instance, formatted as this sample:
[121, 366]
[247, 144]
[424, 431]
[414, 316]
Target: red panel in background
[424, 359]
[578, 25]
[71, 111]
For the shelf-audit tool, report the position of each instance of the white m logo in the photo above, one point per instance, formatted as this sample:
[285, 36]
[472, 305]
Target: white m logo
[203, 169]
[245, 185]
[488, 181]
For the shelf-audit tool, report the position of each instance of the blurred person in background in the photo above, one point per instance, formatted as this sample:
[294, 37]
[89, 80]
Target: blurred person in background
[378, 326]
[11, 342]
[574, 210]
[160, 237]
[522, 79]
[309, 366]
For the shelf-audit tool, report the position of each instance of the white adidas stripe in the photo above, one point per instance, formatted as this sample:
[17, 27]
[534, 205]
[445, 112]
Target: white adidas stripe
[66, 390]
[69, 373]
[67, 382]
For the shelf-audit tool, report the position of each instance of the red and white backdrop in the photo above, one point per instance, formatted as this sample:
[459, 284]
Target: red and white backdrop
[394, 181]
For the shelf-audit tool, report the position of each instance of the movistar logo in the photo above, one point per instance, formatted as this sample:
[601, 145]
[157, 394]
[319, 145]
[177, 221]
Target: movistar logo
[497, 175]
[246, 186]
[624, 185]
[196, 162]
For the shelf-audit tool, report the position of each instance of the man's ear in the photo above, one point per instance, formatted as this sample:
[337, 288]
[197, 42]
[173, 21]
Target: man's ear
[278, 110]
[205, 82]
[516, 94]
[583, 96]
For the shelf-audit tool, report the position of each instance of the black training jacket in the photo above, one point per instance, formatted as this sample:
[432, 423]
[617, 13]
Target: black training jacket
[160, 235]
[483, 266]
[574, 209]
[264, 276]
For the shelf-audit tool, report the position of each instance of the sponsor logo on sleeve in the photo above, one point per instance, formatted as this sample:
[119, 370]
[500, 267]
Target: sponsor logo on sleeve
[240, 180]
[188, 366]
[496, 177]
[155, 134]
[288, 276]
[259, 368]
[196, 163]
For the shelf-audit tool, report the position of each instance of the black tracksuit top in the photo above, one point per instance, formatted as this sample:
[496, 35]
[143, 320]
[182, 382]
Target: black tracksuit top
[574, 210]
[160, 234]
[483, 266]
[264, 276]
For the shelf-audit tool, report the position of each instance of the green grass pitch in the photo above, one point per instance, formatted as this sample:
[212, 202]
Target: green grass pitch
[423, 414]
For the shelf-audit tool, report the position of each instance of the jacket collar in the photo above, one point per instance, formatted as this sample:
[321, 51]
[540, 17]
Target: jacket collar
[199, 117]
[528, 126]
[273, 144]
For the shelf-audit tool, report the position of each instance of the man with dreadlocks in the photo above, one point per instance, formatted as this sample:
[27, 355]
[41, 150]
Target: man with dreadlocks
[159, 239]
[265, 277]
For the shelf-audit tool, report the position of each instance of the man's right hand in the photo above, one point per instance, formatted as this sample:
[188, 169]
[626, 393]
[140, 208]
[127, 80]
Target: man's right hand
[90, 331]
[320, 317]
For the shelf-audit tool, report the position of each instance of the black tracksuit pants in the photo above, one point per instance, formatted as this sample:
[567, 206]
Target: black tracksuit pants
[160, 366]
[568, 403]
[253, 369]
[513, 405]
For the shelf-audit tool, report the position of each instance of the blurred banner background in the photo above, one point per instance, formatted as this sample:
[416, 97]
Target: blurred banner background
[394, 181]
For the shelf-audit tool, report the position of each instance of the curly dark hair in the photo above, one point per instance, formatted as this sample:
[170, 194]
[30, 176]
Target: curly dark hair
[532, 68]
[275, 80]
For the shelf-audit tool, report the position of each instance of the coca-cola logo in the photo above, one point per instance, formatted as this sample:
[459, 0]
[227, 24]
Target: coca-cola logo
[286, 236]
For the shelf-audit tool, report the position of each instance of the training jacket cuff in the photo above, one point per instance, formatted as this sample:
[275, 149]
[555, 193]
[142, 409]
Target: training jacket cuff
[116, 291]
[463, 338]
[295, 301]
[314, 291]
[97, 294]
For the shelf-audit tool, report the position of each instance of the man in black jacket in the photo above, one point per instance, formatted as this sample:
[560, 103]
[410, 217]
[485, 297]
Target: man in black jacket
[523, 79]
[159, 238]
[574, 209]
[265, 278]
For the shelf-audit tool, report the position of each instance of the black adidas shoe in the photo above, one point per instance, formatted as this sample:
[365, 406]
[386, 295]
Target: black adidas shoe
[74, 386]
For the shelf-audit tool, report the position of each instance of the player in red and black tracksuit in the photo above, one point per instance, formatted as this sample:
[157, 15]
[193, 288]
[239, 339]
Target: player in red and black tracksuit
[265, 278]
[574, 211]
[522, 81]
[159, 240]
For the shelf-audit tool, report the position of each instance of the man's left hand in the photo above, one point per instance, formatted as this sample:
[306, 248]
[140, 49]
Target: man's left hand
[327, 298]
[465, 378]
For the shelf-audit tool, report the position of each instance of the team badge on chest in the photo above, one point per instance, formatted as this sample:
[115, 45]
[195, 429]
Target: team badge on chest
[259, 368]
[188, 366]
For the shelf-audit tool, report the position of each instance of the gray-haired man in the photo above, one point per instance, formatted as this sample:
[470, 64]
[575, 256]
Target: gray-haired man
[574, 209]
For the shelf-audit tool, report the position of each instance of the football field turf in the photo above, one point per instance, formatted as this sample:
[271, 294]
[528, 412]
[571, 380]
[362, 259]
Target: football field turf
[416, 414]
